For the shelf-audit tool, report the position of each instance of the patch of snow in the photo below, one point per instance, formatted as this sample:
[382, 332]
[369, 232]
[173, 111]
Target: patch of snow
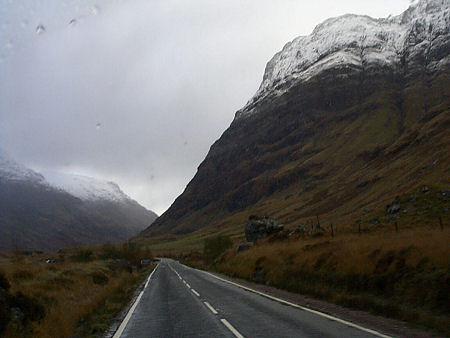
[352, 40]
[86, 188]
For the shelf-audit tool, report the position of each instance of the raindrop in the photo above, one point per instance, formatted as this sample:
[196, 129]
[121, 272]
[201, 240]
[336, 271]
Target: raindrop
[95, 10]
[40, 29]
[72, 22]
[98, 125]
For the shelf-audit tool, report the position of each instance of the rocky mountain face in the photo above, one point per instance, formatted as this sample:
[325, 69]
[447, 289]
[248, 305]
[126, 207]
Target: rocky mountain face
[61, 210]
[345, 119]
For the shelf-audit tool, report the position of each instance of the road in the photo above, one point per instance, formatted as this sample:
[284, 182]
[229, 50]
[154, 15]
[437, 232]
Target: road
[179, 301]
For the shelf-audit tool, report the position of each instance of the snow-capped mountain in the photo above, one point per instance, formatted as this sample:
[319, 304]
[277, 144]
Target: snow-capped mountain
[12, 170]
[63, 210]
[355, 112]
[86, 188]
[359, 42]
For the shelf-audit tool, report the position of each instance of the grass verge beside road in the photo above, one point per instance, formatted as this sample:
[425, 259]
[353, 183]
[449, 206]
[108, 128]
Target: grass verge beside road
[402, 275]
[76, 295]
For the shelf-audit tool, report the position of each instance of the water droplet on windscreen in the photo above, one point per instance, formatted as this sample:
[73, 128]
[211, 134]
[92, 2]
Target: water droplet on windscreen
[98, 125]
[95, 10]
[40, 29]
[72, 22]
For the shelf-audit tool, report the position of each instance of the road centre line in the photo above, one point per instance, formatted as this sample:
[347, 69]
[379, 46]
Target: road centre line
[223, 320]
[282, 301]
[133, 307]
[231, 328]
[213, 310]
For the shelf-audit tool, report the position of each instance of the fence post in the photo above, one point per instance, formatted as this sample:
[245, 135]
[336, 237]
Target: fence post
[332, 231]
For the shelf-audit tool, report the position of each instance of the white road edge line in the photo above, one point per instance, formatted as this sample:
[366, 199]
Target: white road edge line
[213, 310]
[188, 285]
[231, 328]
[375, 333]
[195, 293]
[130, 312]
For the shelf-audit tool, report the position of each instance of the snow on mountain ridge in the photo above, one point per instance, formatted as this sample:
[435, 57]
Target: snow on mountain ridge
[12, 170]
[86, 188]
[83, 187]
[355, 41]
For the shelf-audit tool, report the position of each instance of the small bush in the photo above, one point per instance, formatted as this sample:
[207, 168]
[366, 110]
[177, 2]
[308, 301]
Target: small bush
[32, 310]
[99, 278]
[5, 313]
[215, 246]
[110, 251]
[4, 284]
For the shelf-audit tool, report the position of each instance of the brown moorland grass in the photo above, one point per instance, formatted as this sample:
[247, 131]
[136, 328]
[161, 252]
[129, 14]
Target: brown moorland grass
[79, 298]
[404, 275]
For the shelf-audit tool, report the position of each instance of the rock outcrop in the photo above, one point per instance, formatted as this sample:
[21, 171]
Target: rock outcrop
[257, 228]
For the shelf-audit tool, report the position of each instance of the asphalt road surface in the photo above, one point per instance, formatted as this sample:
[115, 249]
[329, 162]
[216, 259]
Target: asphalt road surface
[183, 302]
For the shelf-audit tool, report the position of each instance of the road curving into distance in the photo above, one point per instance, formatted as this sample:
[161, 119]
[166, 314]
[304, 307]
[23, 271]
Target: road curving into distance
[179, 301]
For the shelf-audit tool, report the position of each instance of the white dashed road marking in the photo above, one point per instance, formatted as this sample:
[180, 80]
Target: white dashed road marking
[213, 310]
[231, 328]
[223, 320]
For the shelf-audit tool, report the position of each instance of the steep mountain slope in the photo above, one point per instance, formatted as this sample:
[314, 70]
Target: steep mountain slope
[345, 119]
[64, 211]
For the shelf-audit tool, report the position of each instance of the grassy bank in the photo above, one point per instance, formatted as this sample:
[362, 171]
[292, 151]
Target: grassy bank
[78, 294]
[402, 275]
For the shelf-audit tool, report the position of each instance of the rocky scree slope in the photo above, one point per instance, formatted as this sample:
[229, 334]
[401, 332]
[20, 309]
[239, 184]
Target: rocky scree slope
[61, 210]
[348, 117]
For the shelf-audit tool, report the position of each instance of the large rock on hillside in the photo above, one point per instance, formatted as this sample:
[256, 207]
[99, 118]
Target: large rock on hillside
[257, 228]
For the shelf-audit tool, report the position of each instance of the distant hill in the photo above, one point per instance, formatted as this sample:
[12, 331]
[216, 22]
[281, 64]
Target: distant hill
[61, 210]
[345, 120]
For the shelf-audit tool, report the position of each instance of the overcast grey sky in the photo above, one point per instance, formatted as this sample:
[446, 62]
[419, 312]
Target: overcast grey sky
[137, 91]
